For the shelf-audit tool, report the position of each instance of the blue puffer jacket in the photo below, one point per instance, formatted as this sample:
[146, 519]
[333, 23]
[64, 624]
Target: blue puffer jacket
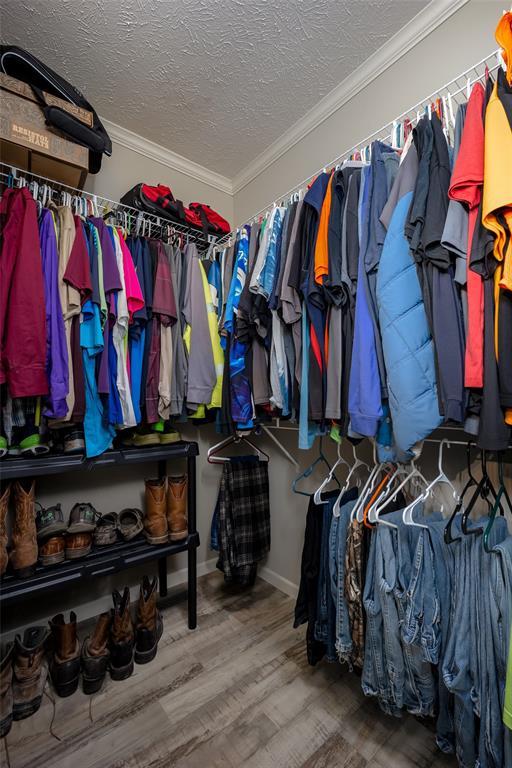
[406, 340]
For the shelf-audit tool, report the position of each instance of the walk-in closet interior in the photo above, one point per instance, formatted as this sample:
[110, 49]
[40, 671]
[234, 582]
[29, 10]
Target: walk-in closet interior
[255, 384]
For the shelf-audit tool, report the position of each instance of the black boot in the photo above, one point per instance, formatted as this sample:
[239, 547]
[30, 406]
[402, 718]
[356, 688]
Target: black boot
[121, 637]
[149, 625]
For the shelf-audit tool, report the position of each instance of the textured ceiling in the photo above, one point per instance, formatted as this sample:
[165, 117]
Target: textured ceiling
[214, 80]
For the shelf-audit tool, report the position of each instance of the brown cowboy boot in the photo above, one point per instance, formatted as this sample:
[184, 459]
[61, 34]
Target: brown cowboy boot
[95, 655]
[30, 672]
[149, 626]
[24, 535]
[6, 656]
[155, 519]
[177, 507]
[121, 637]
[65, 661]
[4, 509]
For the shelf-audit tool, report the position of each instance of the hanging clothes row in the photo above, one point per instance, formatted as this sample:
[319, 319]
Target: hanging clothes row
[379, 303]
[100, 331]
[424, 618]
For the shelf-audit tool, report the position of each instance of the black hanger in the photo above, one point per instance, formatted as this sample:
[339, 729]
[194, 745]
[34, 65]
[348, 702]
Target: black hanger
[483, 490]
[449, 538]
[502, 491]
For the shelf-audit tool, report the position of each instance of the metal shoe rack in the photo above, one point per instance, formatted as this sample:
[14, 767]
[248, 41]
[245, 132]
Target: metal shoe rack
[103, 561]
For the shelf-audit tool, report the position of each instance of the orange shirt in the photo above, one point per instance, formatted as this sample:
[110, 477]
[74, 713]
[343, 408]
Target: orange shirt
[322, 238]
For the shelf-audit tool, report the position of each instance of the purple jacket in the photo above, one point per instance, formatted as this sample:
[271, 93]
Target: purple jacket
[57, 362]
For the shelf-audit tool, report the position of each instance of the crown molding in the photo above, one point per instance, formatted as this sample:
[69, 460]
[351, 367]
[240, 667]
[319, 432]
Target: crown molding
[421, 25]
[167, 157]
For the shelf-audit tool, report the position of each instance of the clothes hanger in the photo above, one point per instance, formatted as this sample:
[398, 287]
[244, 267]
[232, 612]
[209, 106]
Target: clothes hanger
[387, 496]
[376, 494]
[368, 484]
[356, 465]
[317, 497]
[367, 495]
[483, 489]
[449, 538]
[442, 477]
[237, 438]
[502, 492]
[307, 472]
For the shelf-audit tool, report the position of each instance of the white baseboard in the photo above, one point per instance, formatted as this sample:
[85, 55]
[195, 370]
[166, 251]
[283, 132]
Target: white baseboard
[286, 586]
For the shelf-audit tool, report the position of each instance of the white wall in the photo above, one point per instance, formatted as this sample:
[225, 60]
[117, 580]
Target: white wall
[465, 38]
[127, 167]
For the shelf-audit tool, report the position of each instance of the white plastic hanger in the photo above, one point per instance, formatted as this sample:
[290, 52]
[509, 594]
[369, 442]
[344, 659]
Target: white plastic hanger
[387, 494]
[317, 498]
[357, 463]
[441, 477]
[368, 486]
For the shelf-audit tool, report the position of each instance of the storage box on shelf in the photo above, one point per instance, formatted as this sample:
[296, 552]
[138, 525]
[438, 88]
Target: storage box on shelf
[28, 143]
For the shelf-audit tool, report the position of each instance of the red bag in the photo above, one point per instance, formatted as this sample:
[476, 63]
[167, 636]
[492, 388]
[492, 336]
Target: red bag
[211, 220]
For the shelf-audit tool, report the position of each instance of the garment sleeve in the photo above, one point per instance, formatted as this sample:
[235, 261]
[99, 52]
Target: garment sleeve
[78, 271]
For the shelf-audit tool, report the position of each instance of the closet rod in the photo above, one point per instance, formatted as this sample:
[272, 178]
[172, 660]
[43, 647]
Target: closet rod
[10, 173]
[470, 76]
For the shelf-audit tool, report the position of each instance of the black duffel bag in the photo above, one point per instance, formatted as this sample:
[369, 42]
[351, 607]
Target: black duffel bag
[21, 65]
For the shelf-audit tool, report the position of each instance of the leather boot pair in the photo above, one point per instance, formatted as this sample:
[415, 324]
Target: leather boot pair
[6, 657]
[166, 510]
[24, 537]
[65, 660]
[96, 655]
[125, 643]
[30, 670]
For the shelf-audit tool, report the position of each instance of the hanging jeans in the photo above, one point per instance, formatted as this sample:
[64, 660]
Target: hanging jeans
[375, 680]
[337, 553]
[326, 618]
[496, 613]
[460, 651]
[500, 606]
[427, 621]
[412, 682]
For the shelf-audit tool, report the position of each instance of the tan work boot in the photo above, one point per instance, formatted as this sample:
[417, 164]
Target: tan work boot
[30, 672]
[149, 626]
[6, 656]
[4, 509]
[95, 655]
[155, 519]
[65, 662]
[177, 507]
[121, 637]
[24, 534]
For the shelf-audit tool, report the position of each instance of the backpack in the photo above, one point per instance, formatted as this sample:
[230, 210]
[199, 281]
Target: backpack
[160, 201]
[211, 220]
[21, 65]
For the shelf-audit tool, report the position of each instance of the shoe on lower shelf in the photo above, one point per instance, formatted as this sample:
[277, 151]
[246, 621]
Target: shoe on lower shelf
[65, 659]
[106, 529]
[49, 521]
[30, 670]
[52, 550]
[78, 545]
[130, 523]
[121, 637]
[149, 625]
[82, 518]
[95, 655]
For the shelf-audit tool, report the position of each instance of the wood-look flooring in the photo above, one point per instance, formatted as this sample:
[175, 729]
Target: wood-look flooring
[236, 692]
